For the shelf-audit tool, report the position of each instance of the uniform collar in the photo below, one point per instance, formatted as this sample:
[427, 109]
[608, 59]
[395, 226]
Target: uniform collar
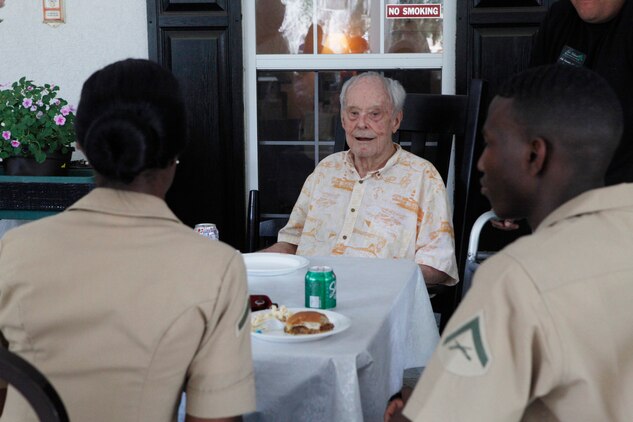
[126, 203]
[349, 162]
[595, 200]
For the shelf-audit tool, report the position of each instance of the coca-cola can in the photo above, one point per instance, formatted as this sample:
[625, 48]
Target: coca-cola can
[207, 230]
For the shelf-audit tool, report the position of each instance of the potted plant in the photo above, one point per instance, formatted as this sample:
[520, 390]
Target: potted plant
[36, 129]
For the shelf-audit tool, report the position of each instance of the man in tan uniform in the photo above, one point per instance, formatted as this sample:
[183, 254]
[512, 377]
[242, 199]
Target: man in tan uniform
[545, 333]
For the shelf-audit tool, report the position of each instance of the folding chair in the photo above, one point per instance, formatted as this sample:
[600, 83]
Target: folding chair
[475, 257]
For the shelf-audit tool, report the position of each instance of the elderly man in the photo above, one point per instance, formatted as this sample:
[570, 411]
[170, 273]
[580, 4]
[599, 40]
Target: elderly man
[545, 332]
[375, 200]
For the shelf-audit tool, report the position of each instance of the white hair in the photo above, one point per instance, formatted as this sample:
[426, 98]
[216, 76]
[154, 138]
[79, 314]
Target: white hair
[393, 88]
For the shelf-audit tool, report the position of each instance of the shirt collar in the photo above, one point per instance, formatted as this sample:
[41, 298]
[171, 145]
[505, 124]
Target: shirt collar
[595, 200]
[349, 161]
[126, 203]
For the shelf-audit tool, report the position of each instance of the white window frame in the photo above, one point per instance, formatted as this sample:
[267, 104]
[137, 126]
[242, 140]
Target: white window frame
[253, 62]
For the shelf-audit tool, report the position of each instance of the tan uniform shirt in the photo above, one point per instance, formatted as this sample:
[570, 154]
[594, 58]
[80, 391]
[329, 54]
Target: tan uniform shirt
[546, 332]
[122, 306]
[399, 211]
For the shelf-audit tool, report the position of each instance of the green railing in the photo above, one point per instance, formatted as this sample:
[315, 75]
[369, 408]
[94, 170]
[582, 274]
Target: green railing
[33, 197]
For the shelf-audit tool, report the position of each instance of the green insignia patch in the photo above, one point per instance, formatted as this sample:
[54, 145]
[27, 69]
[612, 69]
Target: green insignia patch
[465, 350]
[242, 322]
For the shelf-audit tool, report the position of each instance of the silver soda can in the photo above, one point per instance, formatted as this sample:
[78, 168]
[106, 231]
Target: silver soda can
[207, 230]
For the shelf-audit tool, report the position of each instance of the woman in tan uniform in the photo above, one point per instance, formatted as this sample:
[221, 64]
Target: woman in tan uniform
[115, 300]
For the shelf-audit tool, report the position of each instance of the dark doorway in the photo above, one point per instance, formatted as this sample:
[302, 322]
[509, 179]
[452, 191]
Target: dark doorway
[200, 41]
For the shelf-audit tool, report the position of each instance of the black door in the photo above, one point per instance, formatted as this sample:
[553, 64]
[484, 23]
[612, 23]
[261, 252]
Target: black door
[494, 38]
[494, 41]
[200, 41]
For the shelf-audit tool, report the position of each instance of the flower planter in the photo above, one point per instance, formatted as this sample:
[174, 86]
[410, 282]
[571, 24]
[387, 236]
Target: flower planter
[33, 197]
[55, 164]
[33, 121]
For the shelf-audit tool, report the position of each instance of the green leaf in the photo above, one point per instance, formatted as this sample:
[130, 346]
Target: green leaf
[40, 156]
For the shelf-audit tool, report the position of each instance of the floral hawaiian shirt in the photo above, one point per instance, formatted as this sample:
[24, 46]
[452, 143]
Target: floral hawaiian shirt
[399, 211]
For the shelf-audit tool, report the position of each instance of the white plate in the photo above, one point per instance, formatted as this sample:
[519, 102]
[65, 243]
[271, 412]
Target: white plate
[276, 333]
[268, 264]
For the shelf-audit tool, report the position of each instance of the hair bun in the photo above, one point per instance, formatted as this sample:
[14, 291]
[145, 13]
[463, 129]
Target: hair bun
[120, 142]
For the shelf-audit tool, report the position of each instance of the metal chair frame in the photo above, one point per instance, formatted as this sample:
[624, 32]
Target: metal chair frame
[33, 385]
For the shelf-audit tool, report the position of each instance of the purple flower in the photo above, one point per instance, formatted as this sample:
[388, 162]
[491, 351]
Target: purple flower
[6, 134]
[15, 143]
[29, 88]
[33, 108]
[65, 110]
[27, 102]
[39, 103]
[59, 120]
[56, 101]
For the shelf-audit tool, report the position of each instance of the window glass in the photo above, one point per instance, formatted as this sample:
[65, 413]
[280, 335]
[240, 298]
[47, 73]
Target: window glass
[414, 29]
[282, 171]
[269, 18]
[348, 26]
[344, 27]
[285, 105]
[286, 26]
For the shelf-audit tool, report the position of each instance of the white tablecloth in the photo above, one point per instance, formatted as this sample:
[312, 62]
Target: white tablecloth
[348, 376]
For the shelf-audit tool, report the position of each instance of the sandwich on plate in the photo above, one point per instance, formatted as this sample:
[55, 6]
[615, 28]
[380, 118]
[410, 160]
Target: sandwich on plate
[308, 322]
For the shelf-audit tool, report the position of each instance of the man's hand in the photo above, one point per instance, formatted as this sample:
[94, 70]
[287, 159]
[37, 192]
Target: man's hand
[394, 407]
[393, 413]
[282, 247]
[507, 224]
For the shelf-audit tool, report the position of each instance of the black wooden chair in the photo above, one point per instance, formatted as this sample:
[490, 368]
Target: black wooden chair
[430, 124]
[260, 233]
[33, 386]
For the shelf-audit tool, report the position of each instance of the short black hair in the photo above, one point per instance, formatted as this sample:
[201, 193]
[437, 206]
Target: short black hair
[131, 118]
[572, 107]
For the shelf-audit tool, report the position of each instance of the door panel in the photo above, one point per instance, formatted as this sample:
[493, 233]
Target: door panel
[194, 5]
[200, 41]
[494, 41]
[491, 47]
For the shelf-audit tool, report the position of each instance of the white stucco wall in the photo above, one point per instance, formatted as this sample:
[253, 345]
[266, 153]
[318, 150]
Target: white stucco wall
[95, 34]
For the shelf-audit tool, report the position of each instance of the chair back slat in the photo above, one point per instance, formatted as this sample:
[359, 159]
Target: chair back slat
[260, 232]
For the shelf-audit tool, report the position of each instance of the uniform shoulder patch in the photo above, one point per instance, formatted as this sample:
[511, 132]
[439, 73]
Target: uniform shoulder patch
[243, 318]
[465, 350]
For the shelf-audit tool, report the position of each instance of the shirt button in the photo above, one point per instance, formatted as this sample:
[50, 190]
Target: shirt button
[344, 237]
[353, 209]
[360, 181]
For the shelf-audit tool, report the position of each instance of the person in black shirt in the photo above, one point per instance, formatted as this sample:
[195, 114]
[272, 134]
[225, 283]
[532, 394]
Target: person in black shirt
[597, 34]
